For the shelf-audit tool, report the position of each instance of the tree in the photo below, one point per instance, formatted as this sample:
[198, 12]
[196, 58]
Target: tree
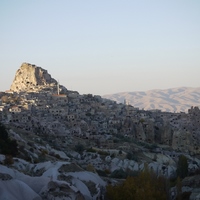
[182, 167]
[3, 132]
[179, 188]
[129, 155]
[145, 186]
[7, 146]
[79, 148]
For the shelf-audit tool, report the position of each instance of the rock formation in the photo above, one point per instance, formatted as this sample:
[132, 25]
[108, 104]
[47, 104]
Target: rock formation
[30, 78]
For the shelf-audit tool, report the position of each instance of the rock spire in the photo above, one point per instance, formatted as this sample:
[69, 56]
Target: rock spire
[30, 77]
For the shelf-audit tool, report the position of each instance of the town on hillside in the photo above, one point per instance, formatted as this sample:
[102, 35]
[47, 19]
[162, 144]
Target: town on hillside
[45, 112]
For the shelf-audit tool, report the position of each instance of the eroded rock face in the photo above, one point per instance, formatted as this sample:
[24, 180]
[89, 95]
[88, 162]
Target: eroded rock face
[183, 141]
[31, 77]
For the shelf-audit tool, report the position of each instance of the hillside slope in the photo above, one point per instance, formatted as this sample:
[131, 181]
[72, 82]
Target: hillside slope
[172, 100]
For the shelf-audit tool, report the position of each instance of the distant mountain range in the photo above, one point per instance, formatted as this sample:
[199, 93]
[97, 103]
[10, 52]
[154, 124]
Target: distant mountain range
[172, 100]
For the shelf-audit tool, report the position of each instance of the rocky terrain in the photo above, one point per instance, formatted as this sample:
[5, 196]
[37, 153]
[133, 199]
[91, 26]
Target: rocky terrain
[170, 100]
[29, 78]
[71, 146]
[48, 180]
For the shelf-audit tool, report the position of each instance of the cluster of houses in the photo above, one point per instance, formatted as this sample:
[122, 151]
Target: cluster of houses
[100, 120]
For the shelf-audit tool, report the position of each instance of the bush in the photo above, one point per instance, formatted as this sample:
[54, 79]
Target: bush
[91, 150]
[57, 156]
[101, 173]
[107, 171]
[44, 151]
[103, 153]
[119, 173]
[79, 148]
[145, 186]
[90, 168]
[185, 195]
[7, 146]
[8, 160]
[42, 157]
[129, 156]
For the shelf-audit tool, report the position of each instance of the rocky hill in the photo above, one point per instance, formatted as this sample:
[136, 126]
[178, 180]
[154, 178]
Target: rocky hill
[31, 78]
[170, 100]
[72, 145]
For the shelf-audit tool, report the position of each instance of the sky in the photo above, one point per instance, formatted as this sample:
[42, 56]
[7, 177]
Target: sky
[103, 46]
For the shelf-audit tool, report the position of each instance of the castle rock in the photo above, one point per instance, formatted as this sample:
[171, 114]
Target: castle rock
[30, 78]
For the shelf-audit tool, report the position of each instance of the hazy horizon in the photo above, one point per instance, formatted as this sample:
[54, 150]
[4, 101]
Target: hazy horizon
[103, 47]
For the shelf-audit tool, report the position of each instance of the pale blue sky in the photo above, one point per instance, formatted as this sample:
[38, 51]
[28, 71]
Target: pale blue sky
[103, 46]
